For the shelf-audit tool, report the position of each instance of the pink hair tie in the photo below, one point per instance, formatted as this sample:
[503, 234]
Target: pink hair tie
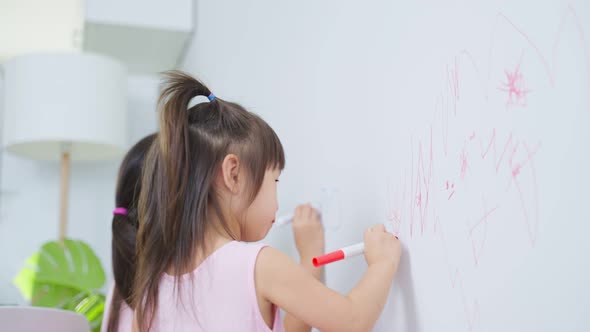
[120, 211]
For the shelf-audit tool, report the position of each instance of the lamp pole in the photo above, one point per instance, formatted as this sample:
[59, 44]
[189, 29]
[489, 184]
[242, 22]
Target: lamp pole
[64, 190]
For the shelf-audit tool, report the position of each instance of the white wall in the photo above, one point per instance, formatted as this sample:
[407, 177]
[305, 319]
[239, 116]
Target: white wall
[343, 84]
[29, 212]
[261, 54]
[153, 13]
[47, 26]
[355, 89]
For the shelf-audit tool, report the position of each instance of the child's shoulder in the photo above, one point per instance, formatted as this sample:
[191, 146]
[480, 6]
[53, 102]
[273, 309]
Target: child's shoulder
[244, 251]
[270, 259]
[249, 247]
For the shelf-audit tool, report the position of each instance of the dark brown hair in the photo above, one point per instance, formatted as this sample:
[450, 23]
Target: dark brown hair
[177, 196]
[124, 227]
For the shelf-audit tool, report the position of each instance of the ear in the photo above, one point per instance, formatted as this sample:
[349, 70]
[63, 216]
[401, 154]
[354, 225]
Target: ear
[230, 171]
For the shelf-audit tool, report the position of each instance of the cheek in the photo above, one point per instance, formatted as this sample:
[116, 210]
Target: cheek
[262, 211]
[266, 202]
[257, 224]
[265, 208]
[239, 208]
[275, 198]
[272, 204]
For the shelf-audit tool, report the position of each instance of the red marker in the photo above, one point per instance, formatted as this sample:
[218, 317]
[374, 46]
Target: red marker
[344, 253]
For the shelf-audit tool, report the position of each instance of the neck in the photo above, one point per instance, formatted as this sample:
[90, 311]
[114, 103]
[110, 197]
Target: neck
[230, 232]
[215, 237]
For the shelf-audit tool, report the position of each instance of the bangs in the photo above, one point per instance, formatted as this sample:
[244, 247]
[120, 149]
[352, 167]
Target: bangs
[273, 155]
[262, 150]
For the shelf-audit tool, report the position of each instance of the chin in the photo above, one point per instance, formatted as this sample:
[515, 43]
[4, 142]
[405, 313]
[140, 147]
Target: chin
[263, 234]
[257, 237]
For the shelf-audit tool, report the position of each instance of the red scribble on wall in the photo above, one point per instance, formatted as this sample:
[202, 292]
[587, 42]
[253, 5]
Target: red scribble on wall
[530, 213]
[549, 69]
[463, 163]
[506, 147]
[478, 235]
[421, 174]
[503, 152]
[492, 142]
[453, 83]
[471, 308]
[516, 87]
[394, 211]
[450, 187]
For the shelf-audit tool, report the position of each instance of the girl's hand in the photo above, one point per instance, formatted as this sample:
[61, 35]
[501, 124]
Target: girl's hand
[308, 232]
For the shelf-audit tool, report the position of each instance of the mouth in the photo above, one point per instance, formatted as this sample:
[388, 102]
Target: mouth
[273, 221]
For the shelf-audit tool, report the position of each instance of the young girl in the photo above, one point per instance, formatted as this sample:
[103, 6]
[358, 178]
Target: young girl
[118, 316]
[118, 313]
[209, 188]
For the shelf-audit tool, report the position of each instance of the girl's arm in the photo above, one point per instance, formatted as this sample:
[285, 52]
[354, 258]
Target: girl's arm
[286, 284]
[292, 323]
[308, 234]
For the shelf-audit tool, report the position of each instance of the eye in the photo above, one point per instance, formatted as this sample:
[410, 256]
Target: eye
[277, 180]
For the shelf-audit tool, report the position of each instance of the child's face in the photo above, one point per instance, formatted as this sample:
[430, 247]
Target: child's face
[260, 215]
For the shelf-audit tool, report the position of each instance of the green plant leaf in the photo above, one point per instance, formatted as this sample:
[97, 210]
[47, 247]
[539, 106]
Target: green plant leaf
[90, 305]
[65, 276]
[71, 264]
[52, 296]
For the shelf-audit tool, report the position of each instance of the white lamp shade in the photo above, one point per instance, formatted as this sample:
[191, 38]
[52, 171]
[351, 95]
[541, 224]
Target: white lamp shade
[65, 101]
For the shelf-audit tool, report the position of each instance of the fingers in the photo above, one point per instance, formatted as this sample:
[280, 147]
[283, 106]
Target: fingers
[297, 214]
[307, 211]
[304, 211]
[378, 228]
